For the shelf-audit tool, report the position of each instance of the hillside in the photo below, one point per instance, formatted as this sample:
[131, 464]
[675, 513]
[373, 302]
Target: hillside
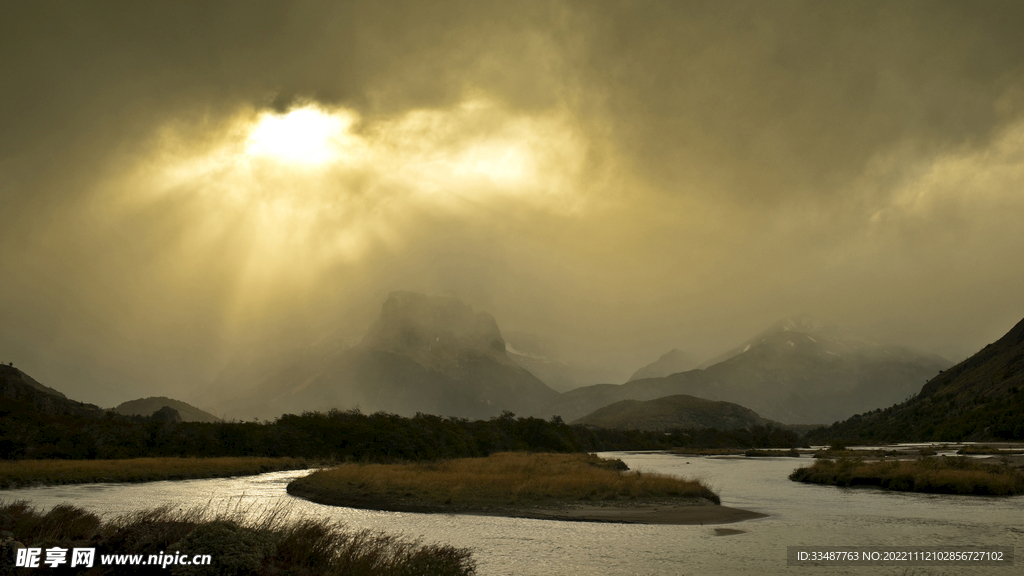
[673, 361]
[429, 354]
[149, 406]
[981, 398]
[23, 395]
[797, 372]
[12, 374]
[673, 412]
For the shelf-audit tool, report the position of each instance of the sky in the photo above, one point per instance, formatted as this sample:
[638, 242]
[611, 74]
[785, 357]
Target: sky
[185, 187]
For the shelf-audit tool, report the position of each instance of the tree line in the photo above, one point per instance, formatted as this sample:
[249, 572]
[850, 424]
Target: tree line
[26, 433]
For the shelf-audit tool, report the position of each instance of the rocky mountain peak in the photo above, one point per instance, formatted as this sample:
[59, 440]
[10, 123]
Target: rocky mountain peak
[433, 328]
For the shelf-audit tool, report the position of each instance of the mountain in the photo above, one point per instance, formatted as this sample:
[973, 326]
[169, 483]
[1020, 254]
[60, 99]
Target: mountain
[981, 398]
[22, 394]
[430, 354]
[798, 371]
[149, 406]
[528, 351]
[675, 360]
[802, 324]
[12, 374]
[673, 412]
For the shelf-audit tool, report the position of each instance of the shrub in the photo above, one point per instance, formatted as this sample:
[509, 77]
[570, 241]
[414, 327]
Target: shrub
[264, 543]
[959, 475]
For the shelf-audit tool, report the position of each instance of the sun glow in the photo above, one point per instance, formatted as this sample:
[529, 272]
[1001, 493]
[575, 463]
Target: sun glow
[305, 135]
[304, 189]
[279, 201]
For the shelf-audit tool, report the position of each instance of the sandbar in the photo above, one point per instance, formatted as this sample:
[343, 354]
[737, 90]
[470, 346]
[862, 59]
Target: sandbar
[683, 511]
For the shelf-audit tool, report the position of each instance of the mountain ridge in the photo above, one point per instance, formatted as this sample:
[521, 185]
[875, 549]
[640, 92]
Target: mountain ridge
[784, 375]
[679, 411]
[671, 362]
[980, 398]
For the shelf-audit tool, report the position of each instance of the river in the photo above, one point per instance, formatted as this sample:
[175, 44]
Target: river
[798, 515]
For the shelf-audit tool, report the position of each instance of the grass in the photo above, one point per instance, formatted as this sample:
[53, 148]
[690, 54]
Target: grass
[19, 473]
[932, 474]
[238, 543]
[792, 453]
[833, 452]
[707, 451]
[970, 449]
[500, 481]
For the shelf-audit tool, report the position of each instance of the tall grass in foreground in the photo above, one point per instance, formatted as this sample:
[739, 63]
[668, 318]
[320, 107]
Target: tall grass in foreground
[268, 544]
[932, 474]
[15, 473]
[510, 478]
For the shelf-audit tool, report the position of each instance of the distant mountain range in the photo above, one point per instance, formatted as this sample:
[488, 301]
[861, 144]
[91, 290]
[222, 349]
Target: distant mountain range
[798, 371]
[673, 412]
[675, 360]
[981, 398]
[150, 406]
[430, 354]
[528, 351]
[800, 324]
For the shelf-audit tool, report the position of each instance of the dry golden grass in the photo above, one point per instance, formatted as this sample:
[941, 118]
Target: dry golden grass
[932, 474]
[511, 478]
[238, 542]
[35, 472]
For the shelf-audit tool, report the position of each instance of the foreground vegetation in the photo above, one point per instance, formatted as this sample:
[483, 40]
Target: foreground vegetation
[268, 544]
[791, 453]
[500, 481]
[991, 450]
[19, 473]
[958, 475]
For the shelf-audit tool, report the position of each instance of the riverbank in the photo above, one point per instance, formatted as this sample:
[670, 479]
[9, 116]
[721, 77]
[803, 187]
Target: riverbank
[578, 487]
[25, 473]
[941, 475]
[167, 538]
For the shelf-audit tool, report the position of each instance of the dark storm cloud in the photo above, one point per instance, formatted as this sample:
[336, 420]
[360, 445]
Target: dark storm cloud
[770, 99]
[722, 165]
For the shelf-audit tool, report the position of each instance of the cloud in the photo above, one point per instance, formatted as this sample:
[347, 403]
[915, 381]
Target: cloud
[618, 178]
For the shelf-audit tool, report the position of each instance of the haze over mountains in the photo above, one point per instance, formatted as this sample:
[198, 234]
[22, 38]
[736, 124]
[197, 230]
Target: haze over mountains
[430, 354]
[530, 352]
[798, 371]
[673, 361]
[979, 398]
[438, 342]
[436, 355]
